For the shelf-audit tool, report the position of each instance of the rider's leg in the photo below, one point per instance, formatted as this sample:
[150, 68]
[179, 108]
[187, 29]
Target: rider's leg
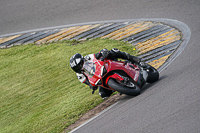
[104, 93]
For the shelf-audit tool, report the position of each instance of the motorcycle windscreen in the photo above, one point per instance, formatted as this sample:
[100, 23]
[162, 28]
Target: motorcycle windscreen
[89, 68]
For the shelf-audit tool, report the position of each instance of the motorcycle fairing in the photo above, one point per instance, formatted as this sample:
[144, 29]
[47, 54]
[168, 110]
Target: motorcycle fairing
[95, 70]
[130, 69]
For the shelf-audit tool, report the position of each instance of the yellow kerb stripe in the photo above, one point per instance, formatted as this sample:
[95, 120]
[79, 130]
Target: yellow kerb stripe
[137, 30]
[2, 40]
[67, 32]
[157, 45]
[133, 30]
[56, 35]
[159, 62]
[153, 39]
[81, 30]
[158, 41]
[115, 33]
[124, 31]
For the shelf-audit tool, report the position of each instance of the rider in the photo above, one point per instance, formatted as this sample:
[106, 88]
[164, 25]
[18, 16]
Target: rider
[77, 61]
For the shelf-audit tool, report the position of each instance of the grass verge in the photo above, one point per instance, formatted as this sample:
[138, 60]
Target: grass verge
[40, 92]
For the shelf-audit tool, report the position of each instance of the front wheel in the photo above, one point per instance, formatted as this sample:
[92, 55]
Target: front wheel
[153, 74]
[134, 91]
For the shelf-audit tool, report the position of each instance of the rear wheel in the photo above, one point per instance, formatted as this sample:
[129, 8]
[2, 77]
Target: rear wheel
[134, 90]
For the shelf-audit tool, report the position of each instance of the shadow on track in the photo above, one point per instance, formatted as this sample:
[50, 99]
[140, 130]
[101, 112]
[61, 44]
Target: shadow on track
[147, 86]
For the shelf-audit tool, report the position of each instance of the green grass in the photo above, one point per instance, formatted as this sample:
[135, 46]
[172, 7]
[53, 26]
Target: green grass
[38, 90]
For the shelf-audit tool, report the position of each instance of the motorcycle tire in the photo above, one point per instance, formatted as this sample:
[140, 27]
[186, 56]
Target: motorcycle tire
[153, 74]
[122, 89]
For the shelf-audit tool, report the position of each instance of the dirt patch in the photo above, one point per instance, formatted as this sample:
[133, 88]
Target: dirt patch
[94, 111]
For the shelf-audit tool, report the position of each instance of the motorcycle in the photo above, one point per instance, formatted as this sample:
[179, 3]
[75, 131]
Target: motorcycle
[122, 76]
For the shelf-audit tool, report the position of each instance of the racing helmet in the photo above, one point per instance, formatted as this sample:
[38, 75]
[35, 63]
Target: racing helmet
[76, 62]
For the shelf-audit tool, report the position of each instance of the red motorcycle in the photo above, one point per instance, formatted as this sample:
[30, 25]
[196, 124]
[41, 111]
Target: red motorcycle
[121, 76]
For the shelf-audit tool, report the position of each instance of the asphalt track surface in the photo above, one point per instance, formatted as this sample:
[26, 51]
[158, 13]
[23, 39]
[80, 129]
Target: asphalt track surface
[171, 105]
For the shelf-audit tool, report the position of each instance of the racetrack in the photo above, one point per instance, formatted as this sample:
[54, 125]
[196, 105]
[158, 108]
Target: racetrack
[170, 105]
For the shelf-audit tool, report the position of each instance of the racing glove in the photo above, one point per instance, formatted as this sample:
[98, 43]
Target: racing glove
[103, 54]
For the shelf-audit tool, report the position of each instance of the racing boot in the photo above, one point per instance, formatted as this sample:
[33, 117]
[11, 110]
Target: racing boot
[105, 93]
